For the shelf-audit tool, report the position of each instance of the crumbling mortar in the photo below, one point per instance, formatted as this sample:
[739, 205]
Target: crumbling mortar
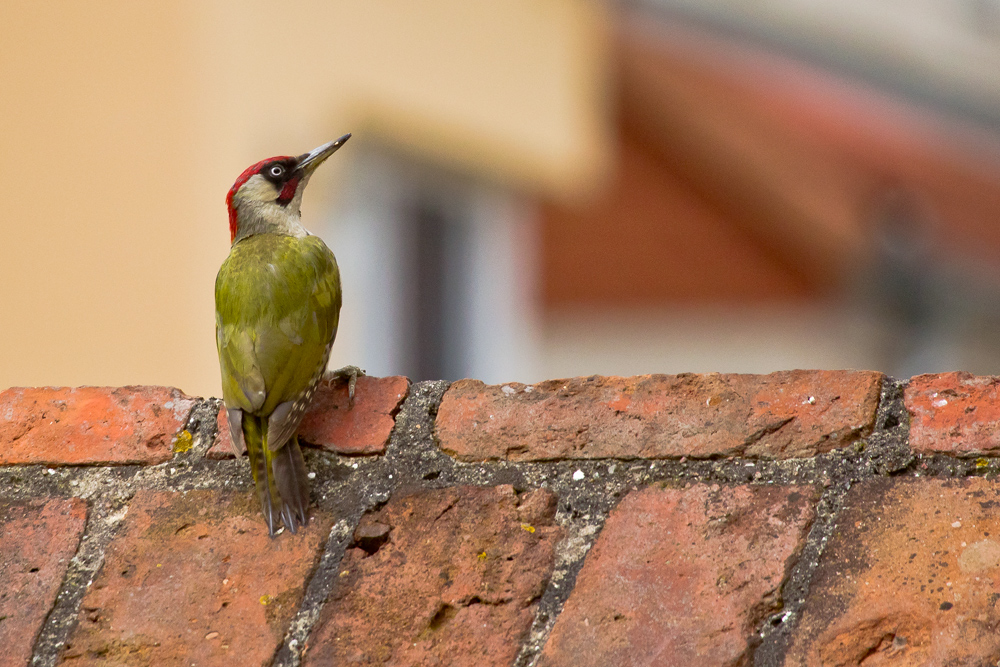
[581, 533]
[321, 582]
[884, 452]
[348, 498]
[587, 491]
[202, 425]
[104, 517]
[367, 486]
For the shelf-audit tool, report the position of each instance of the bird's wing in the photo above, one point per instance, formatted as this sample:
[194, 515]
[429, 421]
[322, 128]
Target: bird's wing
[277, 308]
[242, 383]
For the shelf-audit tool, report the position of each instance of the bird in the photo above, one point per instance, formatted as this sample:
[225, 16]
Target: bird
[277, 308]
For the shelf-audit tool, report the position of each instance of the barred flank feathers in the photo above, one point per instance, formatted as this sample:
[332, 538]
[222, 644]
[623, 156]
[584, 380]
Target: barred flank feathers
[255, 433]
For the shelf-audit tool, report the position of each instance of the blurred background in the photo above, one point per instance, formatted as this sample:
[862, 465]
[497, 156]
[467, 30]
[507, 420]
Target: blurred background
[535, 188]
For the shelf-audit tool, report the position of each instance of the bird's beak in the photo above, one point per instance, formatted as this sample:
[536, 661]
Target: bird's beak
[314, 158]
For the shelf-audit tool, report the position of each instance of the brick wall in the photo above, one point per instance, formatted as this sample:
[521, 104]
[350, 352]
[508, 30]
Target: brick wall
[797, 518]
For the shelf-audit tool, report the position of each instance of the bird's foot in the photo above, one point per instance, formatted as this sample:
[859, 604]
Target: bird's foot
[349, 373]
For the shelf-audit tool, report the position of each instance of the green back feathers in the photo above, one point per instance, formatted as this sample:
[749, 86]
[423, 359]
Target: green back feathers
[277, 301]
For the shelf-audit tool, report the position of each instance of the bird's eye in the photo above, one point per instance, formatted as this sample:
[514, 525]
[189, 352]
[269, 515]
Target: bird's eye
[277, 171]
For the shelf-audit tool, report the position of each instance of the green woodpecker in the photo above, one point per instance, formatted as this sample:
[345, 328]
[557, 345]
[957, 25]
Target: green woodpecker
[277, 305]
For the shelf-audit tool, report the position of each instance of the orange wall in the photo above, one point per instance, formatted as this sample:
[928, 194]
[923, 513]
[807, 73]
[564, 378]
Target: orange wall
[124, 123]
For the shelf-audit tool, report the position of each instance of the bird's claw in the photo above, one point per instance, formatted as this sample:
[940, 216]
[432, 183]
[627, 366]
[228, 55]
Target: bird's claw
[349, 373]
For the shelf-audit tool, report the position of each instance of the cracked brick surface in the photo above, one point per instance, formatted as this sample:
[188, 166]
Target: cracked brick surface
[781, 415]
[37, 540]
[440, 577]
[601, 521]
[90, 425]
[911, 577]
[681, 577]
[194, 579]
[335, 425]
[956, 413]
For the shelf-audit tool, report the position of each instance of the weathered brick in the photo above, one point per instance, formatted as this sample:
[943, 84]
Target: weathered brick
[333, 425]
[194, 579]
[681, 577]
[955, 413]
[37, 541]
[911, 576]
[781, 415]
[222, 447]
[452, 581]
[90, 425]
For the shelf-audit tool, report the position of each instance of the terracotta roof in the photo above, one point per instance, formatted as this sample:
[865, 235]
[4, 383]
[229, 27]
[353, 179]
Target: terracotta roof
[744, 174]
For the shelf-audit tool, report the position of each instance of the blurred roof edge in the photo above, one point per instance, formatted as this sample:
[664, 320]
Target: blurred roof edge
[943, 55]
[770, 170]
[528, 104]
[563, 172]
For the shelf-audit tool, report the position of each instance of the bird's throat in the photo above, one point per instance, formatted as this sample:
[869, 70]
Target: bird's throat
[265, 218]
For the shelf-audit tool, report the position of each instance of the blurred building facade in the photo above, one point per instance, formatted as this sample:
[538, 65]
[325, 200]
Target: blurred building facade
[769, 206]
[124, 124]
[744, 230]
[533, 190]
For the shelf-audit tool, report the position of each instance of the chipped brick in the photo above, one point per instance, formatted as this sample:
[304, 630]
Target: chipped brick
[37, 541]
[681, 577]
[911, 576]
[781, 415]
[222, 590]
[90, 425]
[334, 425]
[954, 413]
[455, 582]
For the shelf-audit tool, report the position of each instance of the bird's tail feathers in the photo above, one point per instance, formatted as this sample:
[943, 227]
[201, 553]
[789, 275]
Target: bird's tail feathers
[289, 469]
[280, 477]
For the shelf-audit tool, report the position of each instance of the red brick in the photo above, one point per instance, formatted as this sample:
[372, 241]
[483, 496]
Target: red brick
[911, 576]
[454, 582]
[681, 577]
[90, 425]
[955, 413]
[222, 447]
[37, 541]
[194, 579]
[331, 424]
[781, 415]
